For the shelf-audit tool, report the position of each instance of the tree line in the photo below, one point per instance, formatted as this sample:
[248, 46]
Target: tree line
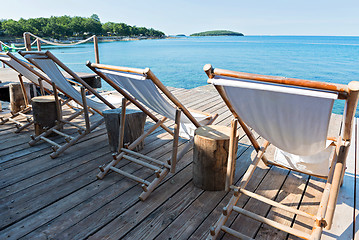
[66, 26]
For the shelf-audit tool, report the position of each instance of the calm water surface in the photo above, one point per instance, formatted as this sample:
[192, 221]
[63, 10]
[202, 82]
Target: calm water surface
[179, 62]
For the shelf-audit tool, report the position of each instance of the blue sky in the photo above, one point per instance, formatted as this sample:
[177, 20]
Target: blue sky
[262, 17]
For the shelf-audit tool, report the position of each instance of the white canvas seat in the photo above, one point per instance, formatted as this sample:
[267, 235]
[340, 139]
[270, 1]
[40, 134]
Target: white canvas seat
[145, 91]
[295, 120]
[293, 115]
[24, 70]
[49, 64]
[142, 88]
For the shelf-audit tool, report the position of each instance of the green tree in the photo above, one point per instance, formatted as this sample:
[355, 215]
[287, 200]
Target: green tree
[95, 17]
[2, 30]
[109, 27]
[12, 28]
[77, 26]
[92, 26]
[65, 26]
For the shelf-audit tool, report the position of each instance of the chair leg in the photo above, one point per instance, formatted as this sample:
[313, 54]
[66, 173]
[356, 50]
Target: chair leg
[74, 140]
[122, 124]
[26, 100]
[49, 131]
[57, 102]
[337, 179]
[175, 140]
[113, 163]
[14, 115]
[3, 120]
[231, 155]
[320, 222]
[86, 113]
[24, 126]
[214, 231]
[153, 185]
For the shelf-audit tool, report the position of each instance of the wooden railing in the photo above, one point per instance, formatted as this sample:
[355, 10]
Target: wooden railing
[38, 40]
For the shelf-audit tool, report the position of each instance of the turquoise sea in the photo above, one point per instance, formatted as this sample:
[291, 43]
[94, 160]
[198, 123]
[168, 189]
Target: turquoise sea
[179, 62]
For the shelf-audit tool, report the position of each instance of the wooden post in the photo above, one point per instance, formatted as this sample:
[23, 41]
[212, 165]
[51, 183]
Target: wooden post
[134, 127]
[17, 100]
[38, 43]
[44, 112]
[210, 156]
[27, 41]
[95, 44]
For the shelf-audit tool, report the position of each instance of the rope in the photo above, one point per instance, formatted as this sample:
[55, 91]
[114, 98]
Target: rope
[60, 44]
[16, 48]
[48, 42]
[2, 43]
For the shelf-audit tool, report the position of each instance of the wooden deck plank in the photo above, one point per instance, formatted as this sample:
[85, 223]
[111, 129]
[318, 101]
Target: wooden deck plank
[61, 198]
[45, 160]
[343, 226]
[93, 178]
[123, 199]
[294, 187]
[290, 195]
[161, 144]
[313, 192]
[187, 222]
[72, 231]
[194, 210]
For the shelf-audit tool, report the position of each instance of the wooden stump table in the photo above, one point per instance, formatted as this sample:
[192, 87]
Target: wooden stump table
[134, 127]
[44, 112]
[18, 100]
[210, 157]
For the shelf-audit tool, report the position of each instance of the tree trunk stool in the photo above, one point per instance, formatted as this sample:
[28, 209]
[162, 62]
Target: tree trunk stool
[210, 157]
[44, 112]
[134, 127]
[17, 100]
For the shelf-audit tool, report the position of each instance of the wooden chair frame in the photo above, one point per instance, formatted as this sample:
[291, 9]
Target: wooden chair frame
[324, 216]
[23, 113]
[27, 108]
[83, 131]
[160, 168]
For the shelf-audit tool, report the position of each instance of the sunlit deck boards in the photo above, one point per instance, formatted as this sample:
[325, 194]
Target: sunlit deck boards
[60, 198]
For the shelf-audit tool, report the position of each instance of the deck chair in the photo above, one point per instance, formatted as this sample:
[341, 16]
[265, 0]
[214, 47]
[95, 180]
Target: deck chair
[49, 64]
[24, 70]
[142, 88]
[293, 115]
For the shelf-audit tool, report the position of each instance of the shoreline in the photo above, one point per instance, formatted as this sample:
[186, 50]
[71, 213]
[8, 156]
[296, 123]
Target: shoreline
[19, 42]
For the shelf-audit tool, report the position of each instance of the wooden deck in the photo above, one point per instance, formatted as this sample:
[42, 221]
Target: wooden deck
[44, 198]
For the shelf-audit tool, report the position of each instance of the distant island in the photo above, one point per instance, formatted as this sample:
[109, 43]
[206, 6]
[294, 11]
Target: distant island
[217, 33]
